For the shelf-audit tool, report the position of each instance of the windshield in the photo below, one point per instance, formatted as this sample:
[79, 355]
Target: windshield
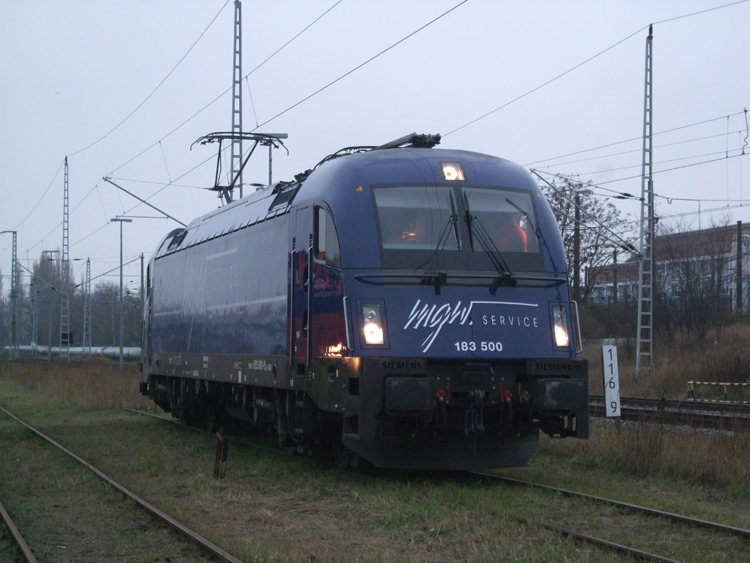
[416, 218]
[448, 228]
[507, 217]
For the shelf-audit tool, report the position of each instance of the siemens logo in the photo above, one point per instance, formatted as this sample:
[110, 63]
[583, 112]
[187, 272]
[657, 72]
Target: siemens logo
[553, 367]
[403, 366]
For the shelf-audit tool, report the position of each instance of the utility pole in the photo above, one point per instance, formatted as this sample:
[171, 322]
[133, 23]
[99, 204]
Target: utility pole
[142, 296]
[13, 349]
[49, 300]
[86, 344]
[236, 100]
[34, 320]
[121, 221]
[614, 279]
[64, 265]
[577, 247]
[644, 346]
[739, 268]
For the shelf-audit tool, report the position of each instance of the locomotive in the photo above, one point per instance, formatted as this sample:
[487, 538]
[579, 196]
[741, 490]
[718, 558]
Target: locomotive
[405, 304]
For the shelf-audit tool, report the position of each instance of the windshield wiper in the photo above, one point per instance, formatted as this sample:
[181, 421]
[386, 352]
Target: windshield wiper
[528, 218]
[430, 276]
[485, 241]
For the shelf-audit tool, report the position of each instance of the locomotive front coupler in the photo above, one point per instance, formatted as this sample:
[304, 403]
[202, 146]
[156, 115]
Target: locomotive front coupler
[474, 415]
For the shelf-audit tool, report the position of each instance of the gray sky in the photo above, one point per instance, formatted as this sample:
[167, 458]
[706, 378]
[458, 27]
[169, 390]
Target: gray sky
[71, 71]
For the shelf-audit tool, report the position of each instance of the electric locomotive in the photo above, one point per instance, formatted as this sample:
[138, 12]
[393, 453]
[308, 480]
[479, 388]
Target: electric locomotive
[407, 304]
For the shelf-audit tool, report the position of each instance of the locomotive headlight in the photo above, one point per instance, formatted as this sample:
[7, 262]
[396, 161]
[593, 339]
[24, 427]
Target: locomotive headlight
[373, 325]
[560, 326]
[452, 171]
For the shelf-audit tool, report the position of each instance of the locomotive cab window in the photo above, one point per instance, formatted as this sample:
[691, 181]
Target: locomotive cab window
[506, 217]
[326, 240]
[416, 218]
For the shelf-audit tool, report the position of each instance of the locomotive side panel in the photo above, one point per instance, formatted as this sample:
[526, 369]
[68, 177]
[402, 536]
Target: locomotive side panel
[220, 307]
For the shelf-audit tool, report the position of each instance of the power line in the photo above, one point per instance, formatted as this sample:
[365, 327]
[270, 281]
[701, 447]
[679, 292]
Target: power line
[155, 89]
[640, 138]
[224, 93]
[110, 271]
[609, 155]
[172, 182]
[41, 198]
[272, 55]
[583, 63]
[673, 169]
[514, 100]
[701, 12]
[361, 65]
[701, 212]
[157, 183]
[724, 152]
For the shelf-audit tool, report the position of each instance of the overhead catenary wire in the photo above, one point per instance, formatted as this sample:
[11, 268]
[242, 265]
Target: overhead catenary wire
[96, 186]
[625, 196]
[116, 127]
[319, 90]
[639, 138]
[224, 93]
[600, 53]
[673, 169]
[638, 150]
[702, 211]
[703, 155]
[41, 198]
[589, 184]
[621, 242]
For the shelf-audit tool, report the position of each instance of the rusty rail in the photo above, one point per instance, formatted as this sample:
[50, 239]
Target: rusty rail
[625, 505]
[22, 546]
[637, 553]
[171, 522]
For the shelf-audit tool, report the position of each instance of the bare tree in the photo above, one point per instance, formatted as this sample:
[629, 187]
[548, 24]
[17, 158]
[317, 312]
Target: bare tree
[693, 277]
[600, 227]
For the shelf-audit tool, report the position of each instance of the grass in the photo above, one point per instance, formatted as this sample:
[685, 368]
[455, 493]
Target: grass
[723, 357]
[645, 450]
[277, 508]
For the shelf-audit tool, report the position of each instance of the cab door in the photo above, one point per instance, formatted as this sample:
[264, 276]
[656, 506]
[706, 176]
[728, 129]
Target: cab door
[301, 302]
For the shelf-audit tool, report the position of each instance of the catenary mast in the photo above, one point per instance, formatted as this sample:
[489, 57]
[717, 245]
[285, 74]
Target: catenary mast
[644, 357]
[236, 101]
[64, 266]
[86, 343]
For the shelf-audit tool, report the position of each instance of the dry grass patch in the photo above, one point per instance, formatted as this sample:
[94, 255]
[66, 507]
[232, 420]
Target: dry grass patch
[89, 385]
[724, 357]
[717, 458]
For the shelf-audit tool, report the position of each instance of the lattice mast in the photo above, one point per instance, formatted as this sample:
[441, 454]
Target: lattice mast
[644, 357]
[236, 102]
[64, 269]
[13, 349]
[34, 316]
[86, 343]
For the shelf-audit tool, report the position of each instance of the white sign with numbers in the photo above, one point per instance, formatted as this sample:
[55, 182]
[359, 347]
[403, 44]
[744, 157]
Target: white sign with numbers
[611, 381]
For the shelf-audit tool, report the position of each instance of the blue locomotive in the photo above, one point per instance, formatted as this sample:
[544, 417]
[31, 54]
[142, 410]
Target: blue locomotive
[407, 304]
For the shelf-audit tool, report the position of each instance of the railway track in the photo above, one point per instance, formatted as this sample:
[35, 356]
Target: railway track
[683, 521]
[181, 529]
[700, 414]
[624, 506]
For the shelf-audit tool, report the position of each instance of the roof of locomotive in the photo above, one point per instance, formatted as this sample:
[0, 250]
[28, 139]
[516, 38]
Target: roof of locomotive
[339, 179]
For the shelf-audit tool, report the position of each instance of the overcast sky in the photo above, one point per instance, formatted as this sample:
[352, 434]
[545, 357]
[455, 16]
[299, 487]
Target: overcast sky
[72, 71]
